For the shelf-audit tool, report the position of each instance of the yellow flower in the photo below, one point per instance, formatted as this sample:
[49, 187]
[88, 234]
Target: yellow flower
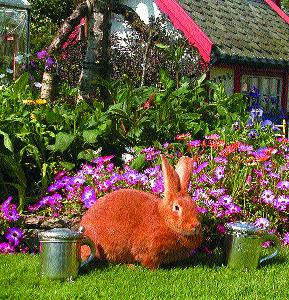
[28, 102]
[32, 116]
[40, 101]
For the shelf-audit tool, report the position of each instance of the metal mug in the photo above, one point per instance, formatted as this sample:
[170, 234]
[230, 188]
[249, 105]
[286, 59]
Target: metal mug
[243, 245]
[60, 253]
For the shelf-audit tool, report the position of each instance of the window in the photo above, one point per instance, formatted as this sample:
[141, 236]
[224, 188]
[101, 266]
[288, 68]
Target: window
[270, 91]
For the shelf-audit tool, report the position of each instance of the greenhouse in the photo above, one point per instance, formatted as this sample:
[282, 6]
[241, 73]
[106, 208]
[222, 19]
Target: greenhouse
[14, 35]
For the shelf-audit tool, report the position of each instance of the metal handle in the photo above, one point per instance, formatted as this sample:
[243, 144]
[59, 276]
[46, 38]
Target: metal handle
[276, 246]
[90, 244]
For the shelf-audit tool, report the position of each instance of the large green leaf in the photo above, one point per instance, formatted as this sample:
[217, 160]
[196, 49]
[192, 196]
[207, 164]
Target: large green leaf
[7, 141]
[20, 84]
[62, 141]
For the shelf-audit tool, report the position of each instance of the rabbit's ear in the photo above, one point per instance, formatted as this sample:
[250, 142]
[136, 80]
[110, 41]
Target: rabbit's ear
[184, 170]
[171, 179]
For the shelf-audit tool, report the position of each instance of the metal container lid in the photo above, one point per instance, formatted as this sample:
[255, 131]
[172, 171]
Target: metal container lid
[61, 234]
[242, 227]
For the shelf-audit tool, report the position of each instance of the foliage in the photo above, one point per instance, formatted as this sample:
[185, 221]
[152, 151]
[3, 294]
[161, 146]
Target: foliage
[46, 16]
[146, 115]
[36, 137]
[129, 54]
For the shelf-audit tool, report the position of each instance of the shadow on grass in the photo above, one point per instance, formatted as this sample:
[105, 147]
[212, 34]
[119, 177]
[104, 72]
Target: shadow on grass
[214, 261]
[200, 259]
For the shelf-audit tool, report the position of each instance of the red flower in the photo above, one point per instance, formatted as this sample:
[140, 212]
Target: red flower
[183, 136]
[230, 149]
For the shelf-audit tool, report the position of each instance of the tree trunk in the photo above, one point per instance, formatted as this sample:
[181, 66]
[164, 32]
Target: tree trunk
[82, 10]
[96, 61]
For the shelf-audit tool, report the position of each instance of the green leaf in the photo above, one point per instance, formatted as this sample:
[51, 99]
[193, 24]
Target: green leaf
[89, 154]
[67, 165]
[62, 141]
[162, 46]
[7, 141]
[90, 136]
[138, 162]
[202, 79]
[20, 84]
[222, 111]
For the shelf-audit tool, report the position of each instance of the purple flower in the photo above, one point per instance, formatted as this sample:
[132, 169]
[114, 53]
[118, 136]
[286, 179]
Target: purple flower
[213, 136]
[268, 196]
[283, 185]
[9, 210]
[6, 248]
[262, 223]
[226, 200]
[157, 185]
[42, 54]
[268, 166]
[232, 209]
[245, 148]
[256, 113]
[49, 62]
[274, 175]
[199, 194]
[221, 160]
[88, 196]
[217, 192]
[77, 180]
[103, 159]
[56, 186]
[286, 239]
[200, 167]
[153, 171]
[14, 235]
[266, 123]
[253, 134]
[281, 203]
[194, 143]
[219, 172]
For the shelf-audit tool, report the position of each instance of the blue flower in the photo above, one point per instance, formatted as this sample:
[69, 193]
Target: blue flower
[253, 134]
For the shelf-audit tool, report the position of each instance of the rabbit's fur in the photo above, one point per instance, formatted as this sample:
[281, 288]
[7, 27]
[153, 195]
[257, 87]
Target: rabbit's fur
[130, 226]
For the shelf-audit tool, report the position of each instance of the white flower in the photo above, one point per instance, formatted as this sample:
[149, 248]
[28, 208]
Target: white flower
[37, 85]
[126, 157]
[2, 76]
[19, 58]
[9, 71]
[2, 87]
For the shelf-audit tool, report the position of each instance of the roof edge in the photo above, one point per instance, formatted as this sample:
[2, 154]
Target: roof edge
[278, 10]
[182, 21]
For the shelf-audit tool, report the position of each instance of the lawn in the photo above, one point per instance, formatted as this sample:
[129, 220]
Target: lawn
[200, 278]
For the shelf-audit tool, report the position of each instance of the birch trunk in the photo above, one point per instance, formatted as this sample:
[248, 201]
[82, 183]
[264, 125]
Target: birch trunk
[96, 61]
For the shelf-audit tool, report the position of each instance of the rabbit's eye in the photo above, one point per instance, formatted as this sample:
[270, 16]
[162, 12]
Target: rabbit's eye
[177, 208]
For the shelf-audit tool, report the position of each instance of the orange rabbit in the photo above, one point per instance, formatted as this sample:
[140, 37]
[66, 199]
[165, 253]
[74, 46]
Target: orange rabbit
[130, 226]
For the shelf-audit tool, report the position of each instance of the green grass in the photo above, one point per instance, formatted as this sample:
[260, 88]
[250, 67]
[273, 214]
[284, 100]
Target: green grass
[201, 278]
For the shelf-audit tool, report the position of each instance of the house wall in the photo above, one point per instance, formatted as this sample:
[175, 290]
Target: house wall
[224, 75]
[144, 8]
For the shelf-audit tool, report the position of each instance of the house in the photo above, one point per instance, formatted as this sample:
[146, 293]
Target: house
[244, 42]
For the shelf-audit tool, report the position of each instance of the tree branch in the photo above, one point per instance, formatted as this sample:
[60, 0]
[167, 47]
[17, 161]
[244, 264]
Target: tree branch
[84, 9]
[134, 20]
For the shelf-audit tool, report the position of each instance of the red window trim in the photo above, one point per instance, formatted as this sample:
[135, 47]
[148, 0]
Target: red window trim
[241, 70]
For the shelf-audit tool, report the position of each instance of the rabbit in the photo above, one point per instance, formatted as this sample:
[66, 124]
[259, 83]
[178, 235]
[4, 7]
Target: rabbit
[132, 226]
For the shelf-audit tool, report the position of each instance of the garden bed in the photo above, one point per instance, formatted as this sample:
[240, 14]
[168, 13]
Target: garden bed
[200, 278]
